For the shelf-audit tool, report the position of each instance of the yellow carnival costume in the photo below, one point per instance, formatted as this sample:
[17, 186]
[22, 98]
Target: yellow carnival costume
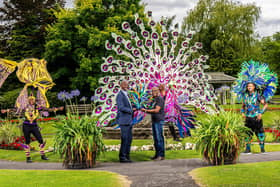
[33, 72]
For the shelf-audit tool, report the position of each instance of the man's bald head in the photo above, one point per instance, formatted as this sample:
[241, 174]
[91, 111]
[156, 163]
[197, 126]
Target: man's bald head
[124, 85]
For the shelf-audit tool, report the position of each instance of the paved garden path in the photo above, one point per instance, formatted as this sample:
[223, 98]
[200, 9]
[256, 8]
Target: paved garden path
[166, 173]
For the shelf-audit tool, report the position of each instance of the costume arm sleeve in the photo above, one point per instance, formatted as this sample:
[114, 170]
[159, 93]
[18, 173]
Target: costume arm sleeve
[121, 106]
[261, 98]
[243, 108]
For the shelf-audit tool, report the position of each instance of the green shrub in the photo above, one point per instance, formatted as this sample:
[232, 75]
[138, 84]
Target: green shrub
[219, 137]
[9, 132]
[8, 99]
[79, 141]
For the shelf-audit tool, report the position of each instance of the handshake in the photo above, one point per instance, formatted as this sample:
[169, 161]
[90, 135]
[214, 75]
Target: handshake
[141, 109]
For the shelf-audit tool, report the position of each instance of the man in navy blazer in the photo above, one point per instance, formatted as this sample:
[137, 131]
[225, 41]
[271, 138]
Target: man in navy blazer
[124, 119]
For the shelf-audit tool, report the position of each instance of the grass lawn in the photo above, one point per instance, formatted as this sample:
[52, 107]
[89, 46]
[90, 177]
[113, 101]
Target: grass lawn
[252, 174]
[113, 155]
[60, 178]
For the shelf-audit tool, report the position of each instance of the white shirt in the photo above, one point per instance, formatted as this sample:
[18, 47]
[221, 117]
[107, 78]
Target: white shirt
[125, 93]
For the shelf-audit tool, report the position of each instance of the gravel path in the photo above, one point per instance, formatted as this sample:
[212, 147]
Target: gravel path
[166, 173]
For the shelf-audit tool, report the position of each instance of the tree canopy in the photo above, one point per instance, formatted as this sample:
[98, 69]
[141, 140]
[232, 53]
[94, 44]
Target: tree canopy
[23, 25]
[226, 29]
[22, 35]
[271, 52]
[76, 42]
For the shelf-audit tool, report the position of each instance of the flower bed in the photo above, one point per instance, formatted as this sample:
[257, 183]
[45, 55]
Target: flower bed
[274, 131]
[179, 146]
[17, 145]
[40, 119]
[238, 109]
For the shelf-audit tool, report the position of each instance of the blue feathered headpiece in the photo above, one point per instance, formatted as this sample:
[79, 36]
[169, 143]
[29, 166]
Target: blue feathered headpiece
[259, 74]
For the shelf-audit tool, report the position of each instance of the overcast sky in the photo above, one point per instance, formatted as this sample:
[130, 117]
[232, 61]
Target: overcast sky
[268, 24]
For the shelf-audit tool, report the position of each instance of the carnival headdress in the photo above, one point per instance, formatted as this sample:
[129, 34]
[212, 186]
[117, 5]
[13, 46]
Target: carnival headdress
[33, 73]
[260, 75]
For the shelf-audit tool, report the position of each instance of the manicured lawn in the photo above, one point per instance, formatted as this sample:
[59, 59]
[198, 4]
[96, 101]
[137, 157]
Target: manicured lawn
[146, 155]
[59, 178]
[252, 174]
[113, 155]
[47, 127]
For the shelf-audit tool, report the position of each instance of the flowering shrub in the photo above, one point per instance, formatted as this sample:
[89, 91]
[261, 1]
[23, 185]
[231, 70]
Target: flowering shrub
[275, 132]
[17, 145]
[39, 119]
[238, 110]
[68, 96]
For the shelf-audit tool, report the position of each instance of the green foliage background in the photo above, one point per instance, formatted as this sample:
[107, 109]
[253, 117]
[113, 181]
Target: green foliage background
[76, 42]
[72, 40]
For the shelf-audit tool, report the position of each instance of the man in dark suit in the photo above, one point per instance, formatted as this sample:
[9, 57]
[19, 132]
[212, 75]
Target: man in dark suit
[124, 119]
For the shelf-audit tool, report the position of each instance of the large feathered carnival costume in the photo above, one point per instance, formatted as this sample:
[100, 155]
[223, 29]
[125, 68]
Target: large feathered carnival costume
[150, 60]
[260, 75]
[265, 83]
[33, 73]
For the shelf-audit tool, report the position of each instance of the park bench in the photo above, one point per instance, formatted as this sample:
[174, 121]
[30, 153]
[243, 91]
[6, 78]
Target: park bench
[275, 101]
[79, 109]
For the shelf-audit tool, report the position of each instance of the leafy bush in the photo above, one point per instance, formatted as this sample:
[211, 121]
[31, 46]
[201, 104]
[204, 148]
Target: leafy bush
[8, 99]
[79, 141]
[219, 137]
[9, 133]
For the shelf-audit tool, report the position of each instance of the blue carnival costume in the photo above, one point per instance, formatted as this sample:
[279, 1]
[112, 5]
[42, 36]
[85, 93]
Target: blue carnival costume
[265, 83]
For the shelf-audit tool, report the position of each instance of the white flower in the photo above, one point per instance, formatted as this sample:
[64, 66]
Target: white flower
[134, 148]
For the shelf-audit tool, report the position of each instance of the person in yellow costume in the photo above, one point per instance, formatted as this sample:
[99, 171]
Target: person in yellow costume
[34, 74]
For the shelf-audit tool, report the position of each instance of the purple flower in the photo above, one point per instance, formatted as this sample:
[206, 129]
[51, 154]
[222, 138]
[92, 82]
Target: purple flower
[75, 93]
[45, 113]
[62, 95]
[93, 98]
[69, 96]
[83, 98]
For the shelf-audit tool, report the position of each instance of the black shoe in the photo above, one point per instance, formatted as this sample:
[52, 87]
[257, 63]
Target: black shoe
[247, 151]
[262, 150]
[28, 160]
[43, 157]
[154, 157]
[159, 158]
[125, 161]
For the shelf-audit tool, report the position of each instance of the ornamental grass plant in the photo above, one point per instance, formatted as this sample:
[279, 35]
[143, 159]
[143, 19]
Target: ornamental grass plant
[9, 132]
[220, 137]
[78, 141]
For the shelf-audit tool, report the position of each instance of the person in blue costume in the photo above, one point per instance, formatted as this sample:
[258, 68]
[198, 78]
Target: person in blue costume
[255, 85]
[252, 113]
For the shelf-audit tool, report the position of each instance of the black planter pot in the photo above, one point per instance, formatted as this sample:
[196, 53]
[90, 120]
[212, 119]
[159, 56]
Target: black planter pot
[77, 166]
